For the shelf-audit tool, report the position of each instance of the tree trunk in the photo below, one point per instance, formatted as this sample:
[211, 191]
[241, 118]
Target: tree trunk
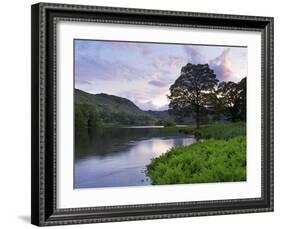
[197, 110]
[197, 117]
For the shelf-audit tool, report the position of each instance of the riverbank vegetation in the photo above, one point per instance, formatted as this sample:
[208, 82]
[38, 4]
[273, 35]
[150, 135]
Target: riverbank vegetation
[202, 162]
[225, 130]
[220, 157]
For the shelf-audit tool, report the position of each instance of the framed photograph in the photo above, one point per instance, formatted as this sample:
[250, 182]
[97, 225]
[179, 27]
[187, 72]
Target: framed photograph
[147, 114]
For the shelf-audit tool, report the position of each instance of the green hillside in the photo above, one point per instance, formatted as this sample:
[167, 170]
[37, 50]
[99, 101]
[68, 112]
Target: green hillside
[103, 101]
[110, 109]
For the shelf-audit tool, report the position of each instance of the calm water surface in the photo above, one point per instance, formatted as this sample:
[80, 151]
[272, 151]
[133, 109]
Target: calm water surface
[112, 157]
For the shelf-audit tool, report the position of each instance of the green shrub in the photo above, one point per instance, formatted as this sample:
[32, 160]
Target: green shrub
[169, 124]
[202, 162]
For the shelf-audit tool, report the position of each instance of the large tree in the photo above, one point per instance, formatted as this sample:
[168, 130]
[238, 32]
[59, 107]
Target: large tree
[191, 90]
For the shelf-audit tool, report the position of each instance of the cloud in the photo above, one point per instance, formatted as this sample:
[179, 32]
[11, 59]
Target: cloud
[159, 83]
[150, 106]
[79, 81]
[146, 51]
[158, 62]
[140, 98]
[142, 72]
[131, 45]
[222, 67]
[93, 67]
[193, 54]
[134, 96]
[174, 61]
[147, 106]
[164, 107]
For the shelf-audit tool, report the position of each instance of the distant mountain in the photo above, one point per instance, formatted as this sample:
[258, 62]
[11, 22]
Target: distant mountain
[164, 115]
[114, 109]
[105, 101]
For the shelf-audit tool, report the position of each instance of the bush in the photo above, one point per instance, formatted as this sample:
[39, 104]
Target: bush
[169, 124]
[202, 162]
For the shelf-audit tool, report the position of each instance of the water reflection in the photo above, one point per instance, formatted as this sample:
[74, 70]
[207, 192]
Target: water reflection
[113, 157]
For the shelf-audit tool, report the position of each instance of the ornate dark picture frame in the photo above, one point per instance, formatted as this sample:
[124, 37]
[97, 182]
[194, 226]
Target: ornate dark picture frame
[44, 19]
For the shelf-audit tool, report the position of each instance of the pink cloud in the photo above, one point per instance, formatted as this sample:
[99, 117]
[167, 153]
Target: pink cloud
[158, 62]
[131, 45]
[222, 66]
[146, 51]
[174, 61]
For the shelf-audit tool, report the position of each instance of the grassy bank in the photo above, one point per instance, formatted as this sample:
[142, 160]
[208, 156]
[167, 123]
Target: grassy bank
[221, 157]
[221, 131]
[217, 130]
[206, 161]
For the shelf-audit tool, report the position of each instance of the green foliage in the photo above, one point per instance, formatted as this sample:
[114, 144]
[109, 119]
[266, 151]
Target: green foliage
[242, 99]
[191, 89]
[202, 162]
[194, 93]
[221, 131]
[165, 123]
[230, 100]
[86, 116]
[169, 124]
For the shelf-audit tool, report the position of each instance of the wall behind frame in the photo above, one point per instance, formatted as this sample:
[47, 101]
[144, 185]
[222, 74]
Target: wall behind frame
[15, 112]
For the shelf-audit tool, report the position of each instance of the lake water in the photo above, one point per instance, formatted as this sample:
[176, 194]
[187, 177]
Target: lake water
[115, 157]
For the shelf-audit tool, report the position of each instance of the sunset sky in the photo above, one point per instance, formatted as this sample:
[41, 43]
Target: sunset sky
[143, 72]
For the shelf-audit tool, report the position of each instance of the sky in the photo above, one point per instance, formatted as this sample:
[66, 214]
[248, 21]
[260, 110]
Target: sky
[143, 72]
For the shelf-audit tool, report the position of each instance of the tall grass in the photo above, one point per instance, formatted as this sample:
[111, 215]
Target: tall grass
[221, 131]
[202, 162]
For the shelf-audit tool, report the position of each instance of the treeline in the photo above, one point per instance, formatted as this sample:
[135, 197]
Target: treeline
[126, 118]
[86, 116]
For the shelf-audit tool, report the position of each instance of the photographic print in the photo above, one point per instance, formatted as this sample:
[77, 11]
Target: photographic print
[130, 105]
[158, 113]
